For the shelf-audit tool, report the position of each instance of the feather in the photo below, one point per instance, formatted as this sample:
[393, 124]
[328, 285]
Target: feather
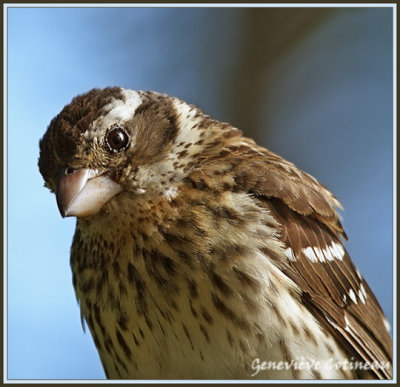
[310, 226]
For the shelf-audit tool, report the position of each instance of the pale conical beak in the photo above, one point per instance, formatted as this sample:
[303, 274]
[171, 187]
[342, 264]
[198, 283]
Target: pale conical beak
[82, 192]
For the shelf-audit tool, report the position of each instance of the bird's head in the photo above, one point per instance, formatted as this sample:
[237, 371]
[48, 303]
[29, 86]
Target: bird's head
[113, 140]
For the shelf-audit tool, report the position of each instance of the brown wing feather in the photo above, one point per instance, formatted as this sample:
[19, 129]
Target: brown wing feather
[333, 287]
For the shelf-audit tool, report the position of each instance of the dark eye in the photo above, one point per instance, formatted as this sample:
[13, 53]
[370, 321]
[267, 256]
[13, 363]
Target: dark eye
[117, 139]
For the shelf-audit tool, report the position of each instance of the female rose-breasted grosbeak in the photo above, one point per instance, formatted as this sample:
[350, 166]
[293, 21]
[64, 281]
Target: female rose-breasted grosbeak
[199, 254]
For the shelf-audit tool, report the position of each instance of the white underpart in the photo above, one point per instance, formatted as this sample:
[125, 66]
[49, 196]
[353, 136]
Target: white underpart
[298, 348]
[119, 111]
[221, 359]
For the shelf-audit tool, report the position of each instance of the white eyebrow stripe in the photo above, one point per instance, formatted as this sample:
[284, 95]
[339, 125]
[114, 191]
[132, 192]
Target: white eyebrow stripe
[118, 111]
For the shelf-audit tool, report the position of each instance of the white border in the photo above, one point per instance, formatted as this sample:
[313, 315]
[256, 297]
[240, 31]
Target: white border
[5, 198]
[177, 5]
[204, 5]
[394, 198]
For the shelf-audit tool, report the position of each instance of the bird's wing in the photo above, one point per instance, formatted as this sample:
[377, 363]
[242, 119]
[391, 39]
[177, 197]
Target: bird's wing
[333, 289]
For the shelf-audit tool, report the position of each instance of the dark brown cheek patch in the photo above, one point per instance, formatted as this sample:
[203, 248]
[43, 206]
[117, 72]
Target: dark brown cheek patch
[155, 122]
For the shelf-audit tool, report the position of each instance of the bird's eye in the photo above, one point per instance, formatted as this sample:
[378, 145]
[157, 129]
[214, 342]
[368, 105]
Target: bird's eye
[116, 139]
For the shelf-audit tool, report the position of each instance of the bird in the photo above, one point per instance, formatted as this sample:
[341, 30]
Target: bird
[198, 254]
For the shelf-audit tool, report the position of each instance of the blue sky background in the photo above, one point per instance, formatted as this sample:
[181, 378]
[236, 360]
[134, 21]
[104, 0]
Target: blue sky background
[326, 105]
